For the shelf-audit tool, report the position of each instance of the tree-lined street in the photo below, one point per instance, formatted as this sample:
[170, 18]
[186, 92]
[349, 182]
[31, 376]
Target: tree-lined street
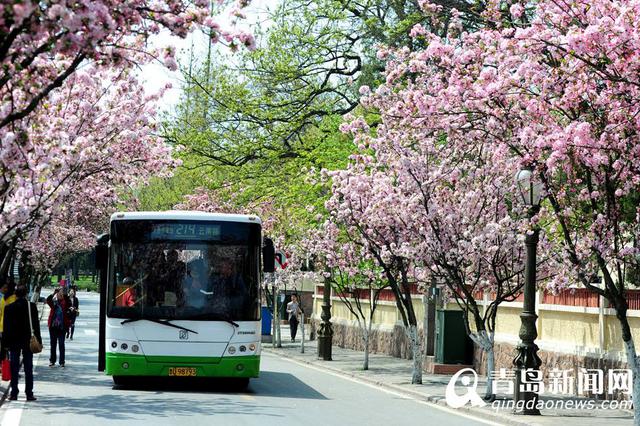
[469, 163]
[286, 393]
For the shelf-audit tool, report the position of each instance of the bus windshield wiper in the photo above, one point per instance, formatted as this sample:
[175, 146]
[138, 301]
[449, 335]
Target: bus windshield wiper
[215, 317]
[159, 321]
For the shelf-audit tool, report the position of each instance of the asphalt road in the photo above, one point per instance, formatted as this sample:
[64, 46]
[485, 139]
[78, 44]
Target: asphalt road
[287, 393]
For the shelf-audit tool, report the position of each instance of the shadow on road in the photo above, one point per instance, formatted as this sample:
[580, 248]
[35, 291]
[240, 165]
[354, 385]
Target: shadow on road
[270, 383]
[127, 403]
[283, 385]
[128, 406]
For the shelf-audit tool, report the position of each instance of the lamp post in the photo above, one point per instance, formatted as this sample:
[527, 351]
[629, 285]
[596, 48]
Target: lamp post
[527, 361]
[325, 333]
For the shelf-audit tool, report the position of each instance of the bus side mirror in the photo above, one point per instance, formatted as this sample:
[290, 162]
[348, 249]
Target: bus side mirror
[268, 256]
[102, 251]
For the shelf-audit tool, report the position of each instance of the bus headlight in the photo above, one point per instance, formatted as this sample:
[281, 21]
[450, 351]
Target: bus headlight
[114, 344]
[252, 347]
[231, 350]
[124, 346]
[243, 348]
[135, 348]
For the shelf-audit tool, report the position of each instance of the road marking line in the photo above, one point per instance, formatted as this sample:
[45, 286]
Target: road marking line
[13, 414]
[90, 332]
[389, 391]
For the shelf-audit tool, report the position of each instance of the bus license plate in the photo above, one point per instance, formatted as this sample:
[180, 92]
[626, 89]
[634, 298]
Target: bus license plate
[182, 371]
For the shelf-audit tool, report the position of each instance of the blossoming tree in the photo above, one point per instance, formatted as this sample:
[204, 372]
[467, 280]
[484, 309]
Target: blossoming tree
[352, 273]
[555, 86]
[69, 106]
[88, 145]
[42, 43]
[369, 205]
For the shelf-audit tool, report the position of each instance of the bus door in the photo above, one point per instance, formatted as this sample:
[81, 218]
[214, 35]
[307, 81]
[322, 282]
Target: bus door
[102, 265]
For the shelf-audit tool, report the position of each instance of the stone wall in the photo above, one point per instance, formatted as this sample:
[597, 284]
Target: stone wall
[395, 343]
[383, 341]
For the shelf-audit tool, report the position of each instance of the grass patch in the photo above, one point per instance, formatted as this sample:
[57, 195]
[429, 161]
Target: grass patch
[84, 282]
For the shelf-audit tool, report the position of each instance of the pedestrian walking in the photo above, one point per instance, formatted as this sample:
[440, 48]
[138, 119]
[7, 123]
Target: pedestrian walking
[21, 322]
[59, 321]
[74, 311]
[293, 310]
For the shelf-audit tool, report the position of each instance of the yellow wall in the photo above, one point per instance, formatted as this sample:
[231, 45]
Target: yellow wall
[558, 328]
[508, 321]
[385, 315]
[340, 310]
[579, 329]
[613, 333]
[635, 331]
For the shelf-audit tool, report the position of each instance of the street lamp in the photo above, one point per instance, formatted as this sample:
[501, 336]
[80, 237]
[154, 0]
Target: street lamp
[527, 361]
[325, 332]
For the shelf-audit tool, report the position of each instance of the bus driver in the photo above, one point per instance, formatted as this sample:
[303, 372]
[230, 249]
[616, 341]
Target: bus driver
[194, 290]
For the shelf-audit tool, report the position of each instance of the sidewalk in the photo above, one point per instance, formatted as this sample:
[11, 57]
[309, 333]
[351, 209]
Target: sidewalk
[395, 374]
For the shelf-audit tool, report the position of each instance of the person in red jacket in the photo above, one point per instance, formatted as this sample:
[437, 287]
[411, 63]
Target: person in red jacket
[59, 322]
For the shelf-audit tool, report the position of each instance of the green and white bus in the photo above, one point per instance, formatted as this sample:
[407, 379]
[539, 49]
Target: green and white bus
[180, 295]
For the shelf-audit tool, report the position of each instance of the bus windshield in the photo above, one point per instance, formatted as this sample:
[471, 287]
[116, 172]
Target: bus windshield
[184, 271]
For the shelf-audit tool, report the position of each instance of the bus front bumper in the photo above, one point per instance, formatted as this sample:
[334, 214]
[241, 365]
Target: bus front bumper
[139, 365]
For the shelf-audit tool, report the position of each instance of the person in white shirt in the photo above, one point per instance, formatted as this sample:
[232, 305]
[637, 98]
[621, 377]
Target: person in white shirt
[293, 311]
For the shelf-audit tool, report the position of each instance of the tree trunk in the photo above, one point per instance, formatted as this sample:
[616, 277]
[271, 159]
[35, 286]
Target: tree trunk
[425, 324]
[416, 374]
[276, 319]
[365, 338]
[6, 262]
[621, 306]
[76, 268]
[485, 341]
[302, 333]
[632, 360]
[491, 364]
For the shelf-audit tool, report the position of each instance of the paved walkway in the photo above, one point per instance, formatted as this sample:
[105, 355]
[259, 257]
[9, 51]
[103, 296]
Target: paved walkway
[395, 374]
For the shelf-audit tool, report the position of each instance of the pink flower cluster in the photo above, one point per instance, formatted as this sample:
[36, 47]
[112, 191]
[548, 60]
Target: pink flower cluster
[88, 144]
[77, 130]
[558, 92]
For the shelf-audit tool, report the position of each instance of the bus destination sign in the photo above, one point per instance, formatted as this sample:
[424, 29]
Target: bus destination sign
[185, 231]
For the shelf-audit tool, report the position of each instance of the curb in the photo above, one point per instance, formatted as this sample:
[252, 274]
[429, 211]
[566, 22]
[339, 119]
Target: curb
[433, 399]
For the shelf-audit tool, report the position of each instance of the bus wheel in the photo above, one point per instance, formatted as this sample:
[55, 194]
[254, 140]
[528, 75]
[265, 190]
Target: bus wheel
[240, 384]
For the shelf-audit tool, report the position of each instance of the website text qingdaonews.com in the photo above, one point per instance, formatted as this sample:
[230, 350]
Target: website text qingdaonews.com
[569, 404]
